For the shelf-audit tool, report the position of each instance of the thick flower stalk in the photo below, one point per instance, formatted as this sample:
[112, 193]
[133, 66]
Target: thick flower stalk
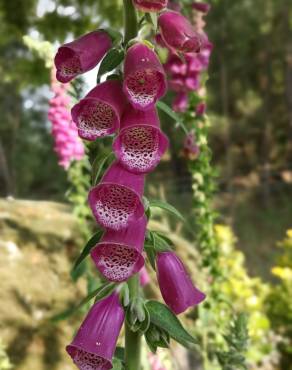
[95, 342]
[81, 55]
[68, 145]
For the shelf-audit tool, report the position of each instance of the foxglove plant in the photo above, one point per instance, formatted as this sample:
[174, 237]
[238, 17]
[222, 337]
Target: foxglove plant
[126, 109]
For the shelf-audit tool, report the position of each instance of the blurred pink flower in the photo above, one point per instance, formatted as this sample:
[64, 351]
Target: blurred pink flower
[68, 146]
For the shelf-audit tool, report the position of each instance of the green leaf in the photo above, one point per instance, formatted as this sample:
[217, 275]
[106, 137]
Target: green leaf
[167, 207]
[111, 61]
[86, 250]
[164, 237]
[125, 295]
[151, 255]
[160, 244]
[99, 293]
[146, 323]
[120, 353]
[98, 164]
[165, 319]
[115, 35]
[117, 364]
[167, 110]
[77, 272]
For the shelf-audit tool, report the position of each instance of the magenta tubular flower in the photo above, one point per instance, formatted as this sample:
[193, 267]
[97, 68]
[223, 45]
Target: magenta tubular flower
[145, 80]
[175, 284]
[81, 55]
[95, 342]
[180, 102]
[178, 33]
[98, 114]
[116, 200]
[140, 144]
[201, 7]
[118, 256]
[150, 5]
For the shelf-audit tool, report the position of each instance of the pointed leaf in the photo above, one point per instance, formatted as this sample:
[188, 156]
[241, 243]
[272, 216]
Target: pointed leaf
[120, 353]
[165, 319]
[111, 61]
[151, 255]
[160, 244]
[99, 293]
[167, 110]
[98, 166]
[117, 364]
[89, 245]
[167, 207]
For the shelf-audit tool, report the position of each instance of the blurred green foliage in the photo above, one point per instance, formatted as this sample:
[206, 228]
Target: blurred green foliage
[279, 300]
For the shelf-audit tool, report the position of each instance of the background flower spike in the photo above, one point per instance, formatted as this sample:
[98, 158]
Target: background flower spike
[145, 80]
[81, 55]
[116, 201]
[95, 342]
[140, 143]
[118, 255]
[98, 114]
[175, 284]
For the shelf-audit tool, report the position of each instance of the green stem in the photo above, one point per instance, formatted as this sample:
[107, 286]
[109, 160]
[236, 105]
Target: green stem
[132, 339]
[130, 21]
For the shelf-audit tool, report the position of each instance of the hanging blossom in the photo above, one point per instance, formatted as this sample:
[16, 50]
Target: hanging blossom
[127, 110]
[68, 145]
